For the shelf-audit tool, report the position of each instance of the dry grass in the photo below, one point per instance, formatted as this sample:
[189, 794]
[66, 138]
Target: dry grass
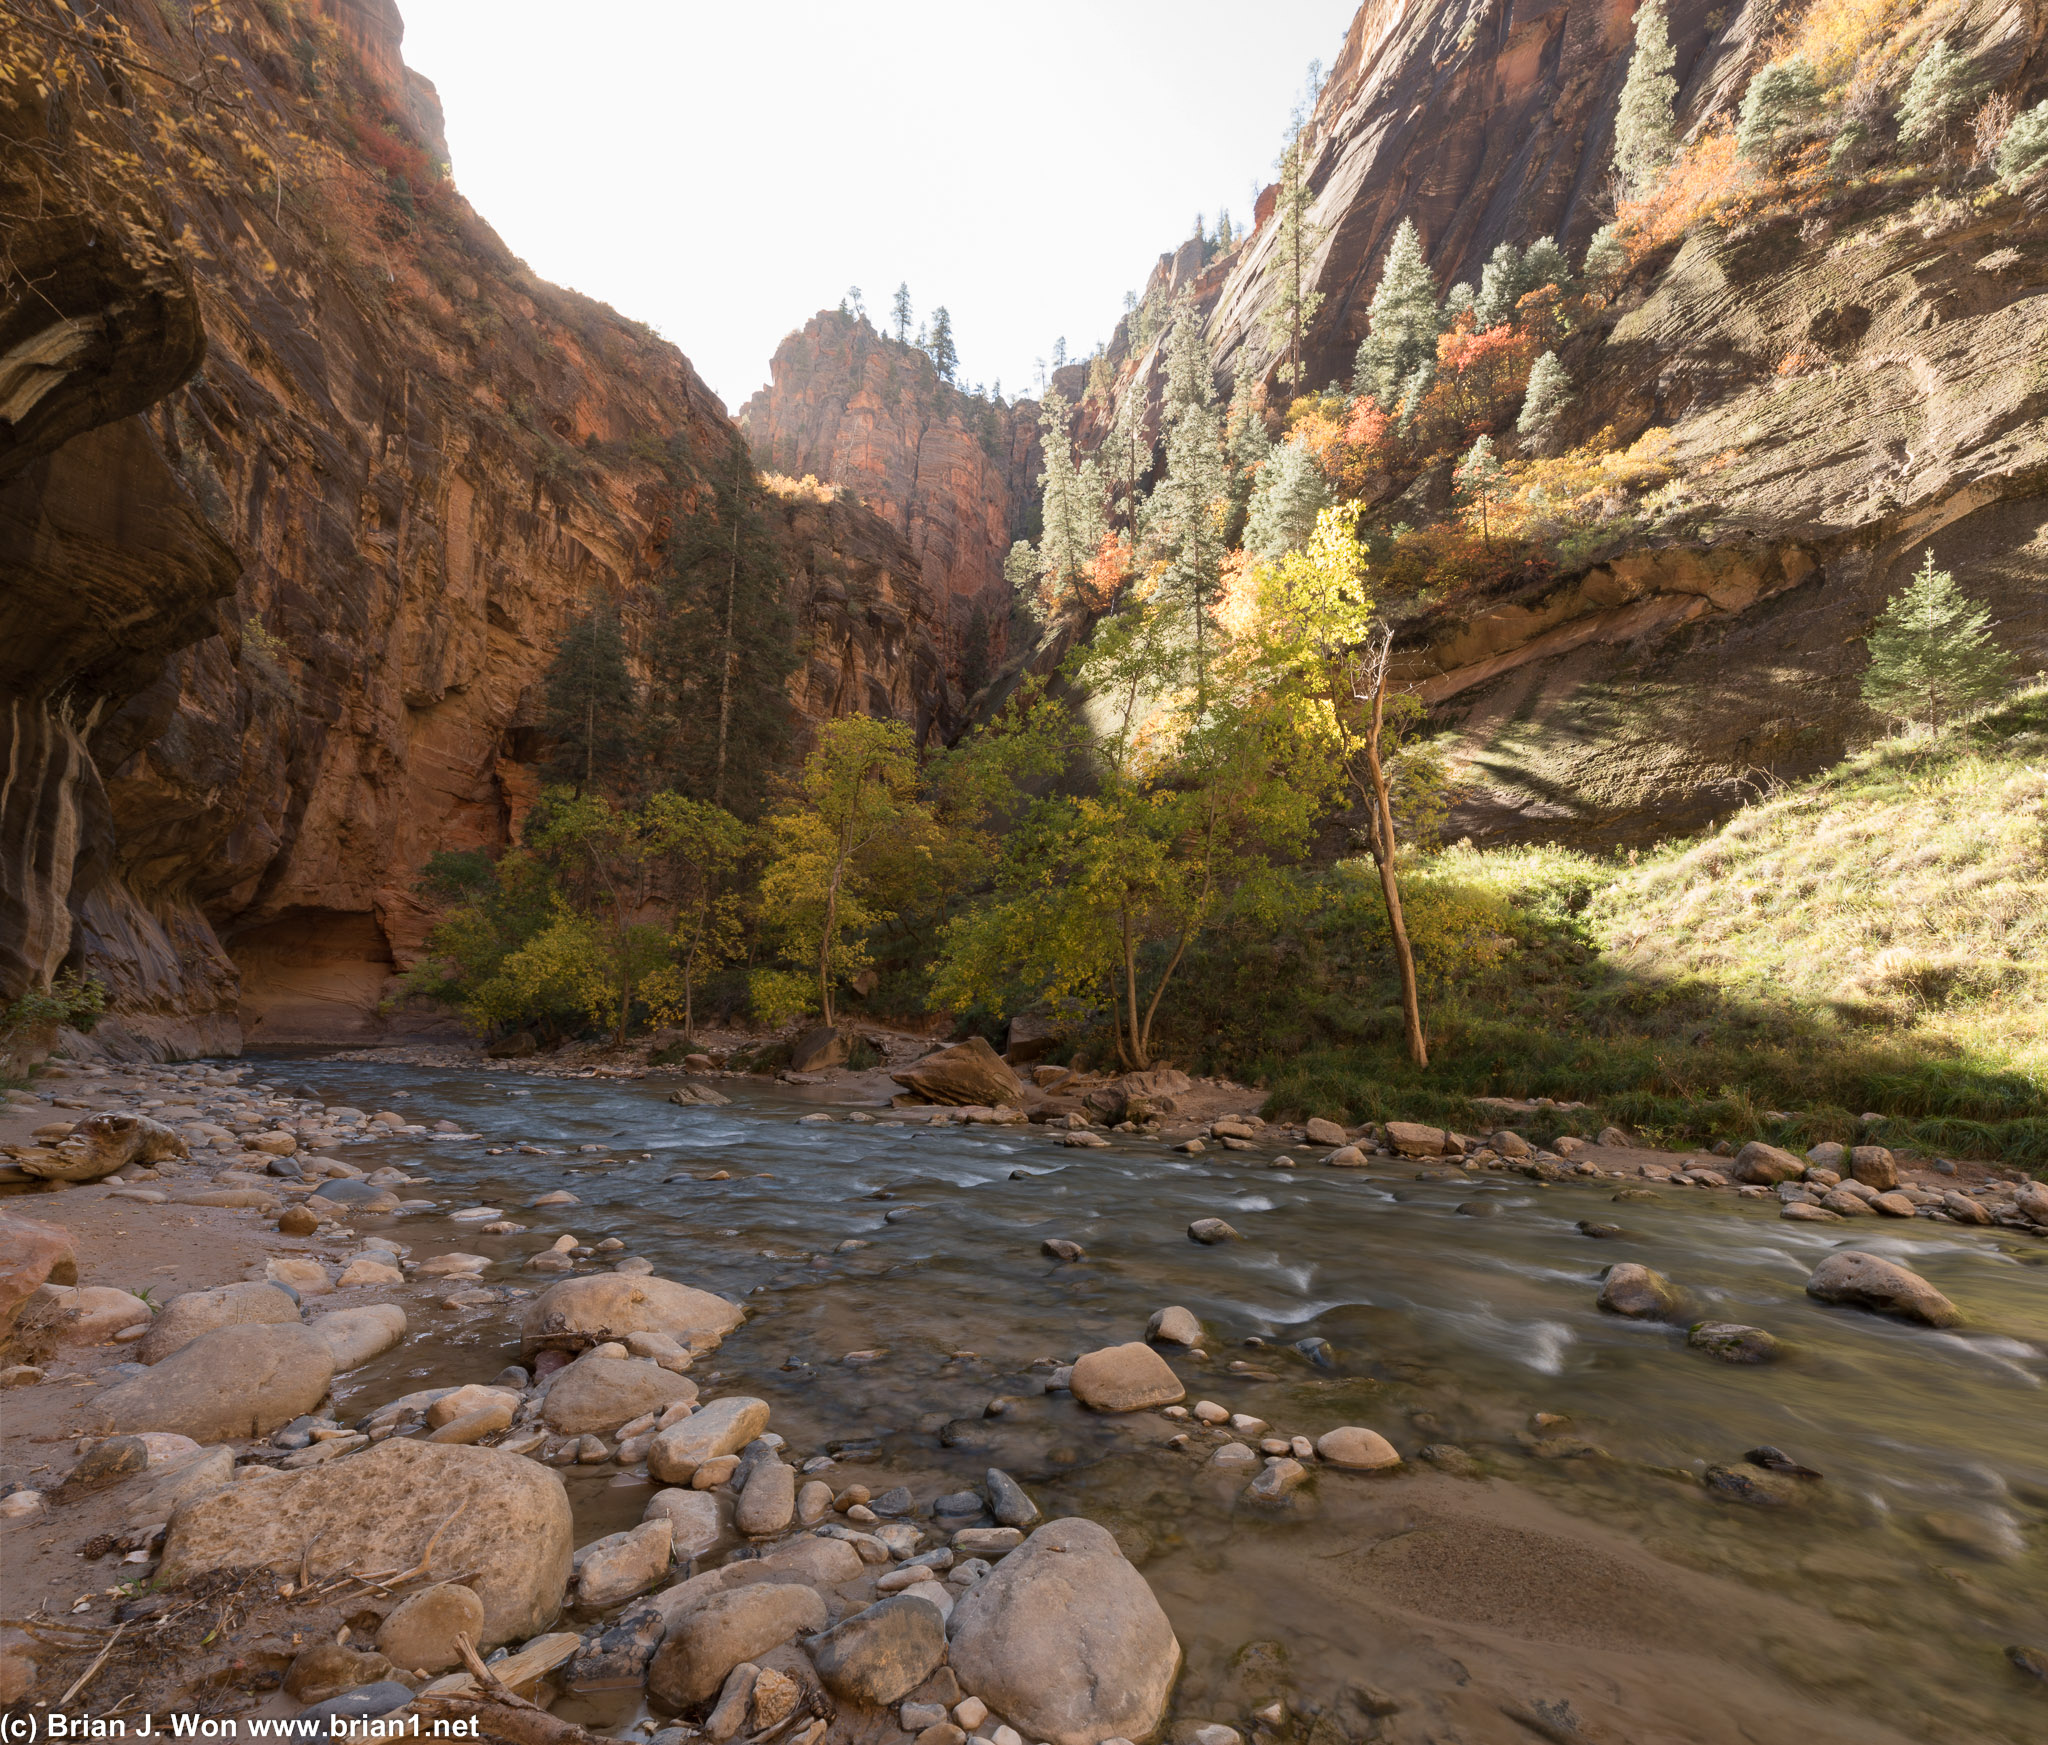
[1907, 888]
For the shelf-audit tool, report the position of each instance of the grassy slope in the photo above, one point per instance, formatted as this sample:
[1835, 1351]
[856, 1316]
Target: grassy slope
[1872, 940]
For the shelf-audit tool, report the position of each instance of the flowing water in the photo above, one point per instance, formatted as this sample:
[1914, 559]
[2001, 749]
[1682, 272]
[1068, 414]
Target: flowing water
[1584, 1588]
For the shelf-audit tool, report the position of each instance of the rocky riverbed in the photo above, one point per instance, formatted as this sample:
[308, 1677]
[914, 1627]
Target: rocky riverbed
[1098, 1409]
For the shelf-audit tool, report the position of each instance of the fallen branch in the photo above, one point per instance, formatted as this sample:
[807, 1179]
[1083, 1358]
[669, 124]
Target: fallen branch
[85, 1678]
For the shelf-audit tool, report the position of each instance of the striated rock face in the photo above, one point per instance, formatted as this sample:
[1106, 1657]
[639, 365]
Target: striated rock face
[274, 623]
[954, 474]
[1842, 389]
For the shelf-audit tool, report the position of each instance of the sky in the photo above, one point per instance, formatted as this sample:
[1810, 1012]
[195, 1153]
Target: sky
[723, 171]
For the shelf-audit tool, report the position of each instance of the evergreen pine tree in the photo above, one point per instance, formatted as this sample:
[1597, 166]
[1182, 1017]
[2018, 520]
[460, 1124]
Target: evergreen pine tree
[725, 647]
[2025, 146]
[1414, 388]
[592, 708]
[945, 355]
[1781, 100]
[1295, 242]
[1072, 508]
[1401, 325]
[1645, 131]
[899, 313]
[1245, 447]
[1185, 514]
[1932, 656]
[1549, 393]
[1606, 258]
[1501, 284]
[1943, 88]
[1226, 238]
[1544, 263]
[852, 303]
[1481, 482]
[1459, 300]
[1291, 492]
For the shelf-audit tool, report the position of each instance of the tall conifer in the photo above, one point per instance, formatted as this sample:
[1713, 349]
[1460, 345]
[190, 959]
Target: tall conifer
[1401, 324]
[1645, 130]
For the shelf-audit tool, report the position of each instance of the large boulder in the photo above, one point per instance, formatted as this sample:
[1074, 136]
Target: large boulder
[498, 1522]
[1875, 1167]
[709, 1638]
[879, 1656]
[32, 1254]
[1866, 1282]
[967, 1074]
[581, 1312]
[1639, 1292]
[227, 1385]
[595, 1395]
[1413, 1139]
[819, 1047]
[1065, 1640]
[355, 1336]
[101, 1144]
[723, 1427]
[187, 1316]
[1125, 1378]
[1765, 1165]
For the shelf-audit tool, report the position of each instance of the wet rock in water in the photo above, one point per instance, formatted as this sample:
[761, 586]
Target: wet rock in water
[226, 1385]
[1600, 1232]
[324, 1670]
[581, 1312]
[1007, 1500]
[1344, 1157]
[2031, 1661]
[1488, 1208]
[616, 1656]
[1174, 1326]
[710, 1636]
[1844, 1202]
[1893, 1205]
[880, 1655]
[1805, 1212]
[1358, 1449]
[768, 1501]
[419, 1635]
[1234, 1454]
[1061, 1249]
[453, 1265]
[692, 1517]
[1875, 1167]
[713, 1432]
[595, 1395]
[1212, 1230]
[957, 1506]
[621, 1565]
[1066, 1639]
[1449, 1457]
[1866, 1282]
[1638, 1292]
[1777, 1460]
[354, 1336]
[1321, 1132]
[459, 1403]
[1732, 1342]
[501, 1516]
[970, 1435]
[1765, 1165]
[1744, 1483]
[1125, 1378]
[970, 1073]
[1964, 1210]
[192, 1313]
[1282, 1476]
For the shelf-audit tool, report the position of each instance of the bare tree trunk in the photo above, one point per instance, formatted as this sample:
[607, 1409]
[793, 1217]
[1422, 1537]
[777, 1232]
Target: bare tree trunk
[1383, 856]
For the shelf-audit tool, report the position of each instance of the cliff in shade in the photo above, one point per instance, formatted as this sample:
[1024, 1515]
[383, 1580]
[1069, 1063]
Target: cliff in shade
[1843, 386]
[955, 474]
[301, 475]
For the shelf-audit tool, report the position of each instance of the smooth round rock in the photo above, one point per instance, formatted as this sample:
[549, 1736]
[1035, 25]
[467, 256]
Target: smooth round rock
[1357, 1449]
[1637, 1292]
[1174, 1326]
[1867, 1282]
[1125, 1378]
[419, 1635]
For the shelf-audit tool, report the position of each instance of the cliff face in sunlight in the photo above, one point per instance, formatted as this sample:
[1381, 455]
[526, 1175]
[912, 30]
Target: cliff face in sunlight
[1843, 385]
[301, 475]
[955, 475]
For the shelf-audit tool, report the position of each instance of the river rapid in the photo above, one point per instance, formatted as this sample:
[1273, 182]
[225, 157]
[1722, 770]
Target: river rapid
[1580, 1583]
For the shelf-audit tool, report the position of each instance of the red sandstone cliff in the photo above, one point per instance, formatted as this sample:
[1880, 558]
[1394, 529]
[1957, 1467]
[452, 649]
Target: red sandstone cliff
[273, 620]
[954, 474]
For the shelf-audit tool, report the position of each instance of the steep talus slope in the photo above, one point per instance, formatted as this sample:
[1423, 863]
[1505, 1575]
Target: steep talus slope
[274, 626]
[953, 473]
[1841, 387]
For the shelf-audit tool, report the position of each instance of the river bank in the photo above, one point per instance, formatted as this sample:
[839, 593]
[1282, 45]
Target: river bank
[1569, 1530]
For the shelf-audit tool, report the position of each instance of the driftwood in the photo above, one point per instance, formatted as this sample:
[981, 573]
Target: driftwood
[501, 1713]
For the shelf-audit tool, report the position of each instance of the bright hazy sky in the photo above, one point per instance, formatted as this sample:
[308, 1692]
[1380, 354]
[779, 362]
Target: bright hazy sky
[722, 171]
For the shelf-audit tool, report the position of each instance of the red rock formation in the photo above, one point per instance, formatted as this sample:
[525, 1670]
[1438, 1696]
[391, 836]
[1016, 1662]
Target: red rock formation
[954, 474]
[270, 637]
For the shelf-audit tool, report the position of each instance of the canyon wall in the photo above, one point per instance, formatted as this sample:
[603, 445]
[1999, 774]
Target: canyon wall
[301, 475]
[1843, 388]
[955, 474]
